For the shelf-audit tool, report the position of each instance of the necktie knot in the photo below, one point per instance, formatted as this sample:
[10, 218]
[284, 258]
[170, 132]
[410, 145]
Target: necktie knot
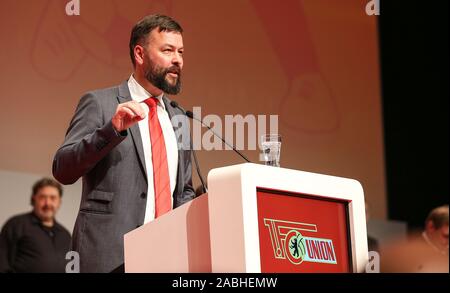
[151, 102]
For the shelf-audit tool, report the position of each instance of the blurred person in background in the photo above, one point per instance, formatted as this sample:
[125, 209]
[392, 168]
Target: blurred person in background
[435, 233]
[426, 252]
[34, 242]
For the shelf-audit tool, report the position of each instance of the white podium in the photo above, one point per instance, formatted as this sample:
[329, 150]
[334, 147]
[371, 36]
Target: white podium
[256, 219]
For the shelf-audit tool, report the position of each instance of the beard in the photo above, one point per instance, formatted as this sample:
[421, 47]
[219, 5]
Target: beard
[156, 75]
[45, 213]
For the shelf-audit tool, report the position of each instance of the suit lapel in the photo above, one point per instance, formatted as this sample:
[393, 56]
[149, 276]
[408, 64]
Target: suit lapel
[125, 96]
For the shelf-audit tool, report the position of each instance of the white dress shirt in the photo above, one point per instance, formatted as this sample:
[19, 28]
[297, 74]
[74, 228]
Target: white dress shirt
[139, 94]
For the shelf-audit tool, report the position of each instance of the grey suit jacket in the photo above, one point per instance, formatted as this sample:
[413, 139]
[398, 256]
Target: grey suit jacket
[114, 177]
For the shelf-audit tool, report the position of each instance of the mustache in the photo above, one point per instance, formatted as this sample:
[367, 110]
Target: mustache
[173, 69]
[48, 208]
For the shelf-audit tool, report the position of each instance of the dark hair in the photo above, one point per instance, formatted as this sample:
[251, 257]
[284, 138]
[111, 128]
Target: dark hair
[146, 25]
[44, 182]
[438, 216]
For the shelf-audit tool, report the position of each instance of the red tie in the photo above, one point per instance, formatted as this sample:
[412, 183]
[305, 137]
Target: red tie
[161, 177]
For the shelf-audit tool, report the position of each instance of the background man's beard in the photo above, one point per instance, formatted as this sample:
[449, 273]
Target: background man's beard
[157, 76]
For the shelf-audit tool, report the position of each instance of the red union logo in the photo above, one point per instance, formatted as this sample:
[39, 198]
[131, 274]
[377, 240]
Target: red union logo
[288, 242]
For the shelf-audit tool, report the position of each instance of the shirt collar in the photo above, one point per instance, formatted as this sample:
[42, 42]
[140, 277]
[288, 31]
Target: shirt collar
[139, 93]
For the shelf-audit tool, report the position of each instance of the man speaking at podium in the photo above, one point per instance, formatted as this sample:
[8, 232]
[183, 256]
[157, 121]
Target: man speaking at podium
[123, 141]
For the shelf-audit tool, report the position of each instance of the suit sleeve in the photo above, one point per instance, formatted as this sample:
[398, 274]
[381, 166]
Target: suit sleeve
[188, 190]
[88, 140]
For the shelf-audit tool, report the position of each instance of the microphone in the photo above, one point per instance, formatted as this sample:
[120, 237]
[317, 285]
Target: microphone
[197, 166]
[191, 115]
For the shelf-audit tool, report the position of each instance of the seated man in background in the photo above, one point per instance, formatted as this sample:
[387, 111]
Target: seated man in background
[34, 242]
[436, 230]
[423, 253]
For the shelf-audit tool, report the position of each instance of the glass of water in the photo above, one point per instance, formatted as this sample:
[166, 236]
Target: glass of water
[271, 148]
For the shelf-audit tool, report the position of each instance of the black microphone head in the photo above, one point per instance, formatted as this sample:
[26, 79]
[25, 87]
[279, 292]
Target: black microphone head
[189, 114]
[174, 104]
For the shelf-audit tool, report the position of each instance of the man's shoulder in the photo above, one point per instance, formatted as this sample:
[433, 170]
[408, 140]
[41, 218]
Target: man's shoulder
[17, 219]
[59, 226]
[113, 90]
[62, 229]
[108, 92]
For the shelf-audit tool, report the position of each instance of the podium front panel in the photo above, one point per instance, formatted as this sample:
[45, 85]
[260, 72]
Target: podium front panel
[302, 233]
[323, 215]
